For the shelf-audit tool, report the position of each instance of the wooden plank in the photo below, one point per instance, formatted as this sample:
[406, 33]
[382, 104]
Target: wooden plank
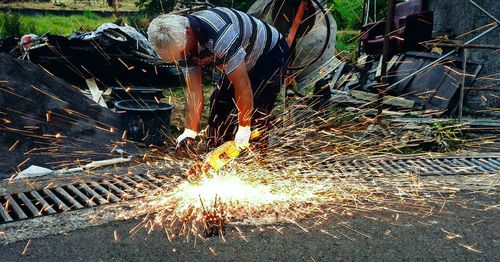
[336, 77]
[444, 92]
[467, 121]
[407, 67]
[392, 62]
[388, 100]
[379, 68]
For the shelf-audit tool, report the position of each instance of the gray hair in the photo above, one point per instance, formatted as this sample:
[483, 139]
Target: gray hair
[168, 32]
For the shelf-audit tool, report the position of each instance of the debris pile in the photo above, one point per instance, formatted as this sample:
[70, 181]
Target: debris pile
[45, 121]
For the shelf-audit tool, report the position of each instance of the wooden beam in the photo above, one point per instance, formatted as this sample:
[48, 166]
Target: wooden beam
[386, 51]
[388, 100]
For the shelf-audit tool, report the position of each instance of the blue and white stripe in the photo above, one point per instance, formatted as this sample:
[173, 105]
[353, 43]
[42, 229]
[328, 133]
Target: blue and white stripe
[232, 33]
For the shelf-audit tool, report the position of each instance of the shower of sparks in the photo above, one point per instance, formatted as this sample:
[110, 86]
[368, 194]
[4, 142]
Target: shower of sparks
[298, 179]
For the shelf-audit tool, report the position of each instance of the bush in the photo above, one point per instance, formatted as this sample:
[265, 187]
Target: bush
[10, 25]
[155, 7]
[90, 15]
[139, 21]
[240, 5]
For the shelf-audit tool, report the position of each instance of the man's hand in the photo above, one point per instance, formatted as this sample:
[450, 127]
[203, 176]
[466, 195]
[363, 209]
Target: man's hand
[242, 138]
[185, 141]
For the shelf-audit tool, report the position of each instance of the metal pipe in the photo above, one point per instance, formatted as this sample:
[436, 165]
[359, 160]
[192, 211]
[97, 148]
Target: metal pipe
[484, 11]
[463, 46]
[366, 12]
[366, 17]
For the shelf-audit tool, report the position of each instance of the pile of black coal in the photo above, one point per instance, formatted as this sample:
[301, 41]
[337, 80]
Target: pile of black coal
[46, 122]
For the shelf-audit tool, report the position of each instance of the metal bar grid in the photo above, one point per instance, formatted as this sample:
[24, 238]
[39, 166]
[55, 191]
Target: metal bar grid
[31, 204]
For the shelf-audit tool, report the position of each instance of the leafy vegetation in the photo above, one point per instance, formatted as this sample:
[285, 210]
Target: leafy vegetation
[17, 25]
[10, 25]
[347, 13]
[155, 7]
[447, 137]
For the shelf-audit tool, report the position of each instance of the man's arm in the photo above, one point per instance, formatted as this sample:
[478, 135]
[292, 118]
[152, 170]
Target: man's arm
[194, 98]
[243, 94]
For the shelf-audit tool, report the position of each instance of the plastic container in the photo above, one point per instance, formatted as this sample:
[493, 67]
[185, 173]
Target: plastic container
[138, 93]
[145, 121]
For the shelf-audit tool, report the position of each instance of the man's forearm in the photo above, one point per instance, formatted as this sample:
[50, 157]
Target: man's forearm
[244, 102]
[194, 109]
[243, 94]
[194, 99]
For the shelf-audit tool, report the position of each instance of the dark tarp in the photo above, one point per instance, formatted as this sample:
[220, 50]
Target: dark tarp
[78, 128]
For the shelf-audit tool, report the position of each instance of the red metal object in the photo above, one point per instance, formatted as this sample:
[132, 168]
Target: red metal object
[296, 23]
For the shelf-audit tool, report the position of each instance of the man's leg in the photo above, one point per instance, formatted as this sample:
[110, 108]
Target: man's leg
[267, 77]
[223, 118]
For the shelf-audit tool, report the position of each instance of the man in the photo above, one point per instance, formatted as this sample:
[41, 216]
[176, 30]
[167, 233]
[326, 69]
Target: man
[251, 54]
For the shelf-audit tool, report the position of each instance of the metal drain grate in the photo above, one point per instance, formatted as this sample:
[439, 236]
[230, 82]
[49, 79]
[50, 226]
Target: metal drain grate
[49, 201]
[420, 166]
[79, 195]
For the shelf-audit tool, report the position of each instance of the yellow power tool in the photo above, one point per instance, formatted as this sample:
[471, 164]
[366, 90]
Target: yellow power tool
[219, 157]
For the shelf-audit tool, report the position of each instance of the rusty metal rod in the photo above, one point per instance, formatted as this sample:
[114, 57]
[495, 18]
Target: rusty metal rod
[468, 46]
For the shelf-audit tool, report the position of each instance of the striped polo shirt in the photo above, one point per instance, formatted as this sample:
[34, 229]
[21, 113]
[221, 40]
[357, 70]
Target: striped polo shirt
[227, 37]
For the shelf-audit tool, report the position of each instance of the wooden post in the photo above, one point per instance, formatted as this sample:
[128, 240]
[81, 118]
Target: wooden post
[366, 18]
[385, 54]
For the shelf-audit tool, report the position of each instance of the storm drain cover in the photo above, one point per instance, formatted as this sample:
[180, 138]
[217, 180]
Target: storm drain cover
[80, 195]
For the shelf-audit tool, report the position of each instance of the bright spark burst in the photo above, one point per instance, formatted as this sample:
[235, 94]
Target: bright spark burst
[289, 184]
[294, 181]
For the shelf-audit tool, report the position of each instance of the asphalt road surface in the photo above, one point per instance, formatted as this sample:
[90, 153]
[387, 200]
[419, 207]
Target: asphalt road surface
[466, 230]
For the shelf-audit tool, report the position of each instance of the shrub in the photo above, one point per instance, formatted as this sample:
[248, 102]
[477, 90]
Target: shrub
[155, 7]
[10, 25]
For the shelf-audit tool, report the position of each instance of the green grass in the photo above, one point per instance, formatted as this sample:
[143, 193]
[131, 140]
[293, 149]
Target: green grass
[347, 43]
[347, 13]
[58, 25]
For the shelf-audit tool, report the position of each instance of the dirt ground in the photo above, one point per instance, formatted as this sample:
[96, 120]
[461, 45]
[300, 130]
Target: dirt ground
[467, 230]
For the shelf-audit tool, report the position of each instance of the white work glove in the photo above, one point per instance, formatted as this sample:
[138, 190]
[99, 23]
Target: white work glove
[188, 133]
[242, 138]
